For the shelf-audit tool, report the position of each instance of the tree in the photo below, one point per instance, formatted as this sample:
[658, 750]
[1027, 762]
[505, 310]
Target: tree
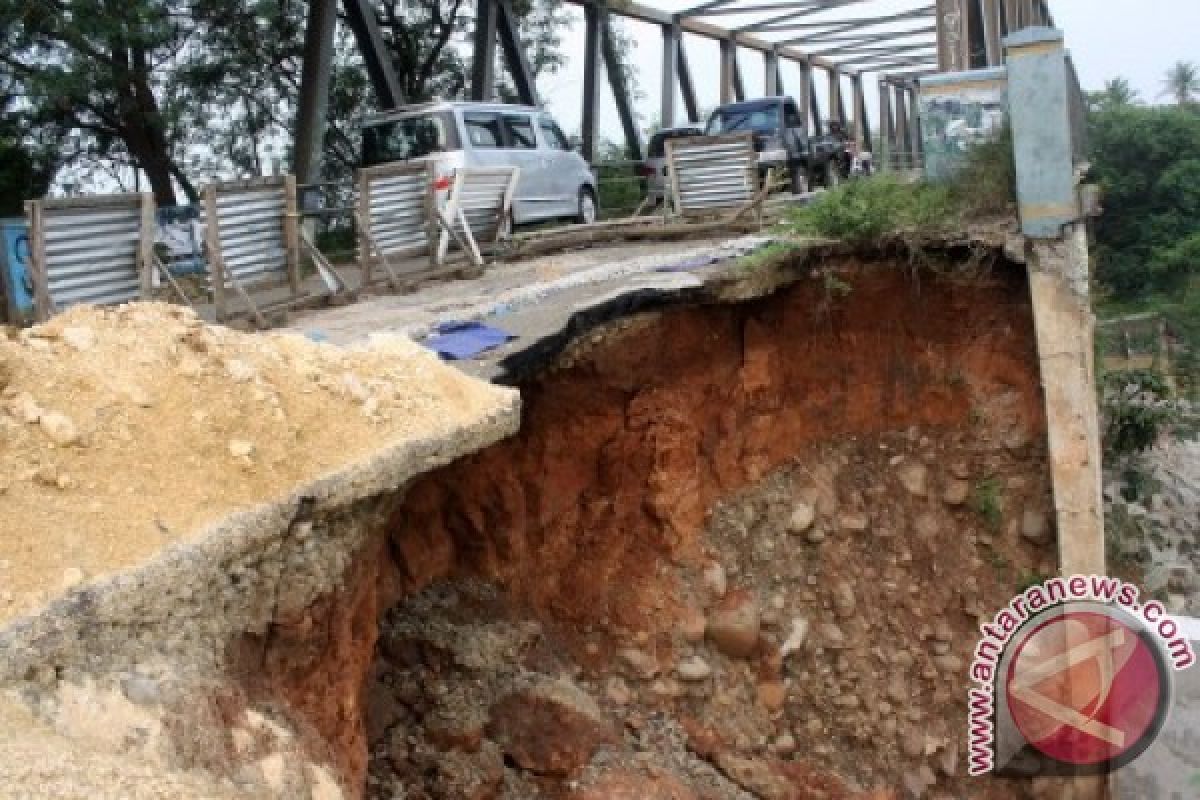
[26, 165]
[100, 69]
[1182, 83]
[1148, 163]
[1117, 93]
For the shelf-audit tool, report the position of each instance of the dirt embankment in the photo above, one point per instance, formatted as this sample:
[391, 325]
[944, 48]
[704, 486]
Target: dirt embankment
[741, 551]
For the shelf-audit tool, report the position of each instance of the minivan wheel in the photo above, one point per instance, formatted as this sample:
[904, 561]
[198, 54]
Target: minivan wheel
[588, 211]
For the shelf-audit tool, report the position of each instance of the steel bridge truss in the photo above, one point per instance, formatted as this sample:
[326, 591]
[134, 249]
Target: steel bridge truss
[842, 38]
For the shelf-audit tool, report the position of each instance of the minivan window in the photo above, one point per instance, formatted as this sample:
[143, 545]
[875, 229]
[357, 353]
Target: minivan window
[553, 134]
[483, 130]
[791, 116]
[758, 120]
[520, 132]
[411, 137]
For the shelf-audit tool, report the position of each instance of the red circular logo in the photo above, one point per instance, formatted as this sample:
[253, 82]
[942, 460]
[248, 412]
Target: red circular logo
[1085, 688]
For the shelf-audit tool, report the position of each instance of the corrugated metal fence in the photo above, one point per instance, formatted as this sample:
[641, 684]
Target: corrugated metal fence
[252, 237]
[90, 250]
[395, 219]
[712, 173]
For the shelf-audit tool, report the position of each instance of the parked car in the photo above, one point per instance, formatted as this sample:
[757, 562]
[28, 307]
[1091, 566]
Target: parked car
[654, 169]
[555, 182]
[782, 142]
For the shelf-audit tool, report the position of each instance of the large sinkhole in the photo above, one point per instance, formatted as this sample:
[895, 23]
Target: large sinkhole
[737, 550]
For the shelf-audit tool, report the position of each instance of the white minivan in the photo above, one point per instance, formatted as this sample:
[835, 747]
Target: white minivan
[555, 181]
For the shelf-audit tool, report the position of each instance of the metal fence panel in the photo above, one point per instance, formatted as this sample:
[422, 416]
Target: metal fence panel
[251, 231]
[394, 202]
[712, 173]
[88, 250]
[485, 197]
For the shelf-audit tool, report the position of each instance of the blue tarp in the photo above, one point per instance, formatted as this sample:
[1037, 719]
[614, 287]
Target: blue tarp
[456, 341]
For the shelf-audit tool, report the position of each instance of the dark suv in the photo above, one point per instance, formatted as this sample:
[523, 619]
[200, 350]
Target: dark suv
[781, 140]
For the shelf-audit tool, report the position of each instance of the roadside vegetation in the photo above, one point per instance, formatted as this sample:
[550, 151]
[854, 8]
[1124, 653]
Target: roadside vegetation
[869, 211]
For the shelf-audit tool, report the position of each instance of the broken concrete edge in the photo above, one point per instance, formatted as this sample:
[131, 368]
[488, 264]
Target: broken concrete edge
[728, 281]
[185, 605]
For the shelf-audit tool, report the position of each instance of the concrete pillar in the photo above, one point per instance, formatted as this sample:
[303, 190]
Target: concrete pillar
[1039, 112]
[1047, 196]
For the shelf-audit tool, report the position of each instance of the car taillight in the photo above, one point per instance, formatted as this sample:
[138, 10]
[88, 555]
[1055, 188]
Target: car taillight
[442, 184]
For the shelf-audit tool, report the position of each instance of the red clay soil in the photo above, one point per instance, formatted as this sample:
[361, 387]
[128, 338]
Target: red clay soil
[623, 455]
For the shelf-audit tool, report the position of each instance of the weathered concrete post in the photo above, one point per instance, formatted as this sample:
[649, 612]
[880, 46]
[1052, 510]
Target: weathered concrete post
[1051, 218]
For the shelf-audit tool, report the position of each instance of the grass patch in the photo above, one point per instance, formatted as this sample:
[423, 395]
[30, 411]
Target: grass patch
[988, 504]
[772, 253]
[868, 211]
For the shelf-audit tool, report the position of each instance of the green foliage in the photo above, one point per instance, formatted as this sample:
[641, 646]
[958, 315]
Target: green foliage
[765, 256]
[1147, 160]
[987, 502]
[1136, 412]
[866, 211]
[863, 212]
[1117, 93]
[1182, 83]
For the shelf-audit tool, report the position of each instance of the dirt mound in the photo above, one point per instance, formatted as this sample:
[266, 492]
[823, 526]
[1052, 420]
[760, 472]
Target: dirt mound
[124, 431]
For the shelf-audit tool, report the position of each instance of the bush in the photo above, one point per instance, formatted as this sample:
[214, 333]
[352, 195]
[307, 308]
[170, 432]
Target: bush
[1136, 412]
[865, 211]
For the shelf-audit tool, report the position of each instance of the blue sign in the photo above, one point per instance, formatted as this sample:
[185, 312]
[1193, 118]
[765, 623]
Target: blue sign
[15, 262]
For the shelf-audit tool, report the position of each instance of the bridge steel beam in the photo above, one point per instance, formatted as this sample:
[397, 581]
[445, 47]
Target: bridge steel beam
[514, 53]
[806, 100]
[887, 126]
[360, 16]
[670, 74]
[483, 52]
[728, 70]
[620, 90]
[862, 123]
[903, 145]
[593, 31]
[914, 124]
[771, 73]
[686, 87]
[311, 115]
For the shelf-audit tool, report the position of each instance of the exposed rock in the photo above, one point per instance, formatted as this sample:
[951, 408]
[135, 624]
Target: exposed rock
[626, 785]
[71, 577]
[1034, 527]
[803, 516]
[239, 448]
[78, 337]
[692, 625]
[552, 729]
[59, 428]
[694, 670]
[141, 690]
[772, 695]
[735, 625]
[755, 776]
[914, 477]
[854, 521]
[796, 637]
[25, 408]
[956, 493]
[844, 602]
[715, 580]
[641, 664]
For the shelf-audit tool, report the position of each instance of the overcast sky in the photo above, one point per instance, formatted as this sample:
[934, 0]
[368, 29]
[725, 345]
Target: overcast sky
[1108, 38]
